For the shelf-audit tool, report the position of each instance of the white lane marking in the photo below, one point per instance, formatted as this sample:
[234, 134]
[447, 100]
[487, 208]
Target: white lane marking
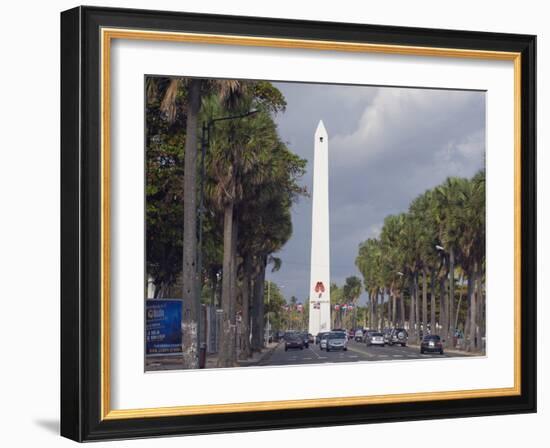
[312, 351]
[309, 357]
[323, 357]
[353, 356]
[397, 356]
[383, 356]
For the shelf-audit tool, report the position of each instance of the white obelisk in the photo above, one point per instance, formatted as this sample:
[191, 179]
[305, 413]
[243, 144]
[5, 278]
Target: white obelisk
[319, 293]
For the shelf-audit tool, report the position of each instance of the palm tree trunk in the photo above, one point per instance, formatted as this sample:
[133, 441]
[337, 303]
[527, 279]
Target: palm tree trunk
[245, 335]
[480, 309]
[432, 303]
[417, 304]
[189, 274]
[412, 310]
[228, 327]
[469, 293]
[402, 308]
[234, 289]
[457, 314]
[381, 307]
[424, 301]
[258, 308]
[442, 307]
[393, 307]
[451, 295]
[473, 311]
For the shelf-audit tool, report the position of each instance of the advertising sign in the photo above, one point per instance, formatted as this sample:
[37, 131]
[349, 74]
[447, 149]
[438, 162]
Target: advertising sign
[163, 326]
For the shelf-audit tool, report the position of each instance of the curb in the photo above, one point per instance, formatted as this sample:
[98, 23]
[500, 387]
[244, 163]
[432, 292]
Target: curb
[454, 351]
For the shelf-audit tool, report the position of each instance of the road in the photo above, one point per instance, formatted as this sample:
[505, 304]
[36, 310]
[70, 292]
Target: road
[357, 351]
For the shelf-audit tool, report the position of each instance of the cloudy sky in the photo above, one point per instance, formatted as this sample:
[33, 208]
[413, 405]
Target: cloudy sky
[386, 146]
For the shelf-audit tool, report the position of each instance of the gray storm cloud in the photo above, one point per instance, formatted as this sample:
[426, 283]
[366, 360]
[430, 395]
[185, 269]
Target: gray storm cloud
[386, 146]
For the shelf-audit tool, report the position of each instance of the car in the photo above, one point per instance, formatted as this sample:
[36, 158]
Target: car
[398, 336]
[336, 341]
[431, 343]
[358, 337]
[294, 340]
[319, 336]
[376, 338]
[323, 340]
[310, 338]
[387, 335]
[367, 335]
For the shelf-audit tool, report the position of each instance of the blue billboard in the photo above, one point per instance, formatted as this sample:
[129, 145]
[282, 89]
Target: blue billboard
[163, 326]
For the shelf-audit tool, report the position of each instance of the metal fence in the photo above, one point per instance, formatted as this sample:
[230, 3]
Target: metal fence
[212, 328]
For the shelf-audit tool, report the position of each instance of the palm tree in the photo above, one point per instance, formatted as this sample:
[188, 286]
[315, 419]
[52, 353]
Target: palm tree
[193, 89]
[352, 290]
[451, 217]
[472, 250]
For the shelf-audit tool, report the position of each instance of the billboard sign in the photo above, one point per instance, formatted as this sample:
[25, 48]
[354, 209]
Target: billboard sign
[163, 326]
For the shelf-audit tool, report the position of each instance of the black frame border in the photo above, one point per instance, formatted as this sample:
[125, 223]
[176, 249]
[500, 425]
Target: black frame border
[81, 223]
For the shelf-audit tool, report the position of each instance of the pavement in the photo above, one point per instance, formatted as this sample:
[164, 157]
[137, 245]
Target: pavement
[357, 351]
[274, 354]
[175, 362]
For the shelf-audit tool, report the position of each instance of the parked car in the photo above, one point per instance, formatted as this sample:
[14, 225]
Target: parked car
[376, 338]
[398, 336]
[336, 341]
[431, 343]
[323, 340]
[358, 337]
[294, 340]
[310, 338]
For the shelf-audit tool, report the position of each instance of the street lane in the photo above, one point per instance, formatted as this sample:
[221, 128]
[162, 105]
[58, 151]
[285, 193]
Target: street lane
[357, 351]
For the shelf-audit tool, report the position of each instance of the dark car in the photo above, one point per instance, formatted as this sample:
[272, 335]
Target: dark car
[294, 340]
[310, 338]
[431, 343]
[398, 336]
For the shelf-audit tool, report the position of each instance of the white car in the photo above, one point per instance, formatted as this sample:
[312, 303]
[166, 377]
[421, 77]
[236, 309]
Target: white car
[337, 341]
[323, 343]
[376, 339]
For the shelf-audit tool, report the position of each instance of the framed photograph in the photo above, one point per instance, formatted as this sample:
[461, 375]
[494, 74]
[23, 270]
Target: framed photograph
[276, 224]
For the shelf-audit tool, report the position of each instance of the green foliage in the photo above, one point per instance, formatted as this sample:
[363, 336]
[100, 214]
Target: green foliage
[450, 217]
[274, 303]
[246, 163]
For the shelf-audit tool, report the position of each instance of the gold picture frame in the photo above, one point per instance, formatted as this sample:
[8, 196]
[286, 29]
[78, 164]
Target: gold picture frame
[118, 25]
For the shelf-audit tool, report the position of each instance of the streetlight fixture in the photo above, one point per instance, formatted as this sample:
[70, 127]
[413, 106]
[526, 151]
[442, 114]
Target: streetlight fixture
[441, 248]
